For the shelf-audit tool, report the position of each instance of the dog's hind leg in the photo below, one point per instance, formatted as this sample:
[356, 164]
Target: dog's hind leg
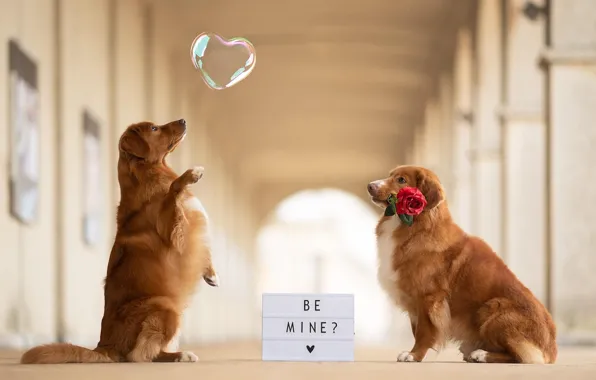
[182, 356]
[504, 333]
[523, 352]
[157, 330]
[482, 356]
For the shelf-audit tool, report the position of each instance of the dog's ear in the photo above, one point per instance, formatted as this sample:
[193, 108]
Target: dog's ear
[134, 145]
[431, 188]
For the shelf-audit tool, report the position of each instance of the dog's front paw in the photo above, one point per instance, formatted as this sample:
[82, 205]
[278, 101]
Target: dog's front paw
[187, 178]
[188, 357]
[212, 280]
[477, 356]
[405, 356]
[195, 174]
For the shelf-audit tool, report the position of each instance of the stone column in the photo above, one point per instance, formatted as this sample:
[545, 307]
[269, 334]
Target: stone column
[444, 135]
[570, 64]
[417, 151]
[459, 199]
[486, 135]
[431, 154]
[524, 156]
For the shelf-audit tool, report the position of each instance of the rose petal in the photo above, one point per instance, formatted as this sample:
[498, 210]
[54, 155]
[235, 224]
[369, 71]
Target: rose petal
[410, 201]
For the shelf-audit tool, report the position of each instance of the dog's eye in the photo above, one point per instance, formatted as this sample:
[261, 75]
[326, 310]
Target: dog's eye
[154, 128]
[401, 180]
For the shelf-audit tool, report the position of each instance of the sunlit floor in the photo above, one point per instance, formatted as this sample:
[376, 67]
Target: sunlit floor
[242, 361]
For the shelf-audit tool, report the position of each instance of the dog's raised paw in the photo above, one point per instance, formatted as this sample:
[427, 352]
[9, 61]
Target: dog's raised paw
[197, 173]
[188, 357]
[405, 356]
[478, 356]
[212, 280]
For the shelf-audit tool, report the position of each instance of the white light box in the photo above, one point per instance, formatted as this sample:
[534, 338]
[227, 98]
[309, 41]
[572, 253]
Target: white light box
[308, 327]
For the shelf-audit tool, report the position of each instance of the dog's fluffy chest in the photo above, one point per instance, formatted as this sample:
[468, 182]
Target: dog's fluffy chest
[389, 277]
[193, 204]
[196, 215]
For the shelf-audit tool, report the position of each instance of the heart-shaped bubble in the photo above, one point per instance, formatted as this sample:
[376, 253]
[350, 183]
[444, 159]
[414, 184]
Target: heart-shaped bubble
[222, 63]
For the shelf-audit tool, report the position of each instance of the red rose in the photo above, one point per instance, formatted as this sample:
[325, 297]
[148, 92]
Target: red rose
[410, 201]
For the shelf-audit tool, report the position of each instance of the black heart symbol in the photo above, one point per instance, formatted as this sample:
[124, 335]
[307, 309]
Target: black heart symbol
[310, 348]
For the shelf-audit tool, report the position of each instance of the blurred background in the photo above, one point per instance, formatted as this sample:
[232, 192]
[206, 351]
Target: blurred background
[497, 96]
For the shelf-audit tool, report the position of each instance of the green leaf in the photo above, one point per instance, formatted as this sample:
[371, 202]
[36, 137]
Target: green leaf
[406, 219]
[391, 199]
[390, 210]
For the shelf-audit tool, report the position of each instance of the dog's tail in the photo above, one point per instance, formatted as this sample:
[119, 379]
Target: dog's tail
[59, 353]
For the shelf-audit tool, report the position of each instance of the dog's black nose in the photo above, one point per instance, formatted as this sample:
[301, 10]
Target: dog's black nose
[372, 187]
[182, 122]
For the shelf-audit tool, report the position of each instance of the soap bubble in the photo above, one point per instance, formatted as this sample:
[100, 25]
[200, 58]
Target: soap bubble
[222, 63]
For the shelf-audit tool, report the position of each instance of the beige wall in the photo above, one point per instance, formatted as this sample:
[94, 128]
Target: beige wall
[84, 85]
[28, 253]
[129, 80]
[110, 66]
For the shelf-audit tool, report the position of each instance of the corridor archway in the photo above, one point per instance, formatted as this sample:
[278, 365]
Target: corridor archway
[322, 240]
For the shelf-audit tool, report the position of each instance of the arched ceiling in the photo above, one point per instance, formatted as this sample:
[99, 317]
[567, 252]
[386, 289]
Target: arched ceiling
[338, 86]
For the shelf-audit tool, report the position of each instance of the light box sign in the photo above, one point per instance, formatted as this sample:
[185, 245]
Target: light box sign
[308, 327]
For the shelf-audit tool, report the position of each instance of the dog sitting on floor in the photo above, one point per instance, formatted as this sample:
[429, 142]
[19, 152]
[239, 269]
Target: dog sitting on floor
[452, 285]
[161, 250]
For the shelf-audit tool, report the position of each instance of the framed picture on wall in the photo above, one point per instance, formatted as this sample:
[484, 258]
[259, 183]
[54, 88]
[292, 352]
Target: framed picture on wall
[92, 196]
[24, 135]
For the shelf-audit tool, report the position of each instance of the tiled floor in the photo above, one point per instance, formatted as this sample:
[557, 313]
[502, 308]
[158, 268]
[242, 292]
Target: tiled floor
[242, 361]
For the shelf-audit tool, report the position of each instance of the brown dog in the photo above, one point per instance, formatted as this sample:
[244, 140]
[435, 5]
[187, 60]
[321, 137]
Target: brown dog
[160, 252]
[453, 286]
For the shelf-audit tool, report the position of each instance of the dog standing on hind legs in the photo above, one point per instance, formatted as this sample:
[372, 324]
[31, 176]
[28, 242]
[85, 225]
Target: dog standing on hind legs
[160, 252]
